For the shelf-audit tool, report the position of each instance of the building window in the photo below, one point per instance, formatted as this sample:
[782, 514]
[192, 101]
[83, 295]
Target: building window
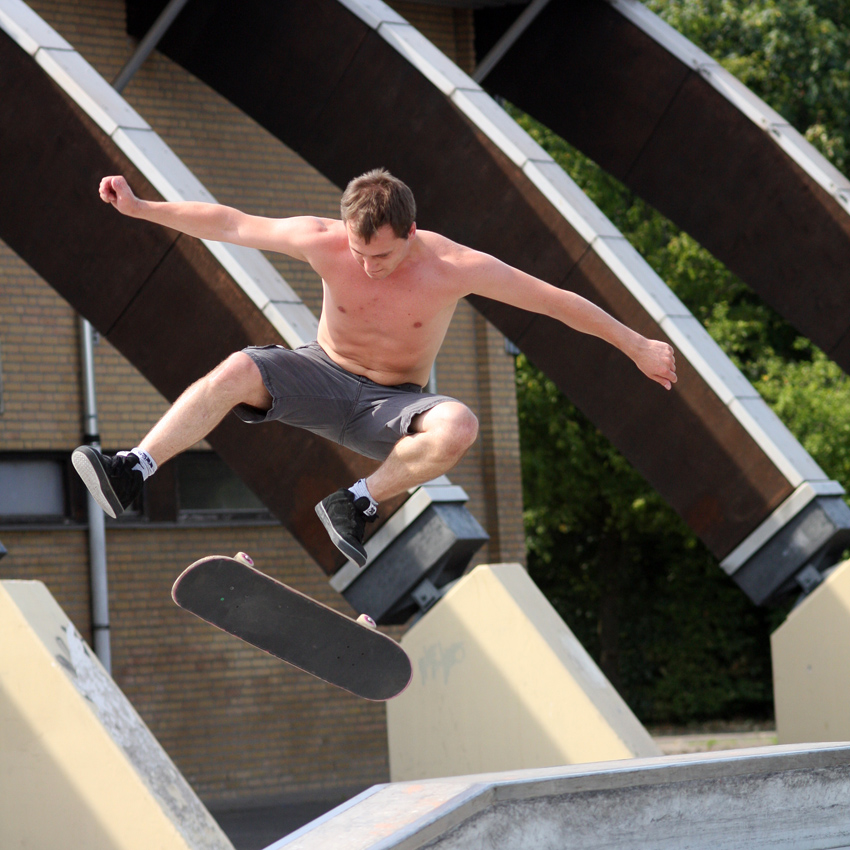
[39, 489]
[207, 490]
[33, 489]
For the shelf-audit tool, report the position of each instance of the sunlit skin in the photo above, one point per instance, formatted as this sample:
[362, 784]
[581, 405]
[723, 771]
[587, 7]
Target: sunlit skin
[386, 308]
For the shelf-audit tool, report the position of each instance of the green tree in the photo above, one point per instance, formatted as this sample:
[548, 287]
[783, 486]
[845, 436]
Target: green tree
[794, 54]
[673, 633]
[668, 628]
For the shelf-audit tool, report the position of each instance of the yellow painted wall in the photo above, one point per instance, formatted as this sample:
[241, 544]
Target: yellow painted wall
[501, 683]
[78, 767]
[811, 665]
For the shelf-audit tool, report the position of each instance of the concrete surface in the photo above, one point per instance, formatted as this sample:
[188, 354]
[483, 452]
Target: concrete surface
[78, 766]
[811, 676]
[761, 798]
[264, 822]
[501, 683]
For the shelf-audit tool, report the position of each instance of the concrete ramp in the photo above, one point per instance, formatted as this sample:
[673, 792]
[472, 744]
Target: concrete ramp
[501, 683]
[78, 766]
[766, 798]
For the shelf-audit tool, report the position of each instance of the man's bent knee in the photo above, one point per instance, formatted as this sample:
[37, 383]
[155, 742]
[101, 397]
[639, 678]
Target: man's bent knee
[466, 427]
[239, 378]
[456, 425]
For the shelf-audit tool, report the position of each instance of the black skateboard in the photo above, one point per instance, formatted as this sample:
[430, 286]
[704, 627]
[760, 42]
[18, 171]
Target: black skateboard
[352, 654]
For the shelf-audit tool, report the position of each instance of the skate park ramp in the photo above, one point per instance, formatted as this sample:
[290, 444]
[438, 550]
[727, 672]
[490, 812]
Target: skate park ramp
[78, 766]
[760, 799]
[494, 655]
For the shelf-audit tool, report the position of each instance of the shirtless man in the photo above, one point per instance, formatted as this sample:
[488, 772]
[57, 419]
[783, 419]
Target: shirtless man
[390, 291]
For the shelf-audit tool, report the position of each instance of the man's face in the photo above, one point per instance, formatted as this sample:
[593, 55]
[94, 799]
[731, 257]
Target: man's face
[383, 254]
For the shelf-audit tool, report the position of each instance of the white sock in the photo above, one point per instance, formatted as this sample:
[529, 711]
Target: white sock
[147, 465]
[360, 489]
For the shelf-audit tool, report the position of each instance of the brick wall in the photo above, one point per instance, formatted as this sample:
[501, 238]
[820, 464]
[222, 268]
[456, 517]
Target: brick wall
[237, 723]
[39, 360]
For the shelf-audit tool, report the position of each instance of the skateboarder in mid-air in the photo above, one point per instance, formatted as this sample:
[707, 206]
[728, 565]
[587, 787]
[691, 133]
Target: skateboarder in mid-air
[390, 291]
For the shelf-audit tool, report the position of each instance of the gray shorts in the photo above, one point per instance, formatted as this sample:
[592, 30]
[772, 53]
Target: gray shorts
[310, 391]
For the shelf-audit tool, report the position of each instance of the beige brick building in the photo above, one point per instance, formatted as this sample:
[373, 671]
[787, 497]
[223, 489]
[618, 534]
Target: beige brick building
[237, 723]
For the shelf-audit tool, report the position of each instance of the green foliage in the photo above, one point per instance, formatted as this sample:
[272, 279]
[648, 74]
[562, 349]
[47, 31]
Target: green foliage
[611, 556]
[794, 54]
[812, 396]
[639, 589]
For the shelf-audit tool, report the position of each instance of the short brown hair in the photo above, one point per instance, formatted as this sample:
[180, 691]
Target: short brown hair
[377, 198]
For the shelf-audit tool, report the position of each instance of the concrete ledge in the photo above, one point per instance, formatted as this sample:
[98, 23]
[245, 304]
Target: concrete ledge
[501, 683]
[78, 766]
[764, 798]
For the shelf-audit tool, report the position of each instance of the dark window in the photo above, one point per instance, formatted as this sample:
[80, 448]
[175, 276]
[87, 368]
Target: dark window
[33, 489]
[208, 489]
[43, 489]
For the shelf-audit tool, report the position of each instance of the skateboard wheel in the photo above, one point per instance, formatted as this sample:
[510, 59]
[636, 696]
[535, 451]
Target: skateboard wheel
[366, 620]
[244, 558]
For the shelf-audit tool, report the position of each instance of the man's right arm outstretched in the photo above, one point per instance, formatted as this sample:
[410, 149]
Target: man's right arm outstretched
[217, 222]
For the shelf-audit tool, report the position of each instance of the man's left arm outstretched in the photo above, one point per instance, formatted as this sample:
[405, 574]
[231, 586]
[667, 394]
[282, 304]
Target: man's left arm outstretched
[501, 282]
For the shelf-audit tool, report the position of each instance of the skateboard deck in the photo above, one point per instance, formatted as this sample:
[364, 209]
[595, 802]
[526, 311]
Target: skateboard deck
[233, 595]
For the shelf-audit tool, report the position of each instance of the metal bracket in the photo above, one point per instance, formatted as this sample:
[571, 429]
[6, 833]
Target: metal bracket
[809, 578]
[148, 43]
[425, 595]
[507, 41]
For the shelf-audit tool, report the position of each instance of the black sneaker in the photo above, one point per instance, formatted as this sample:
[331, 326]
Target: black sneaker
[115, 482]
[345, 519]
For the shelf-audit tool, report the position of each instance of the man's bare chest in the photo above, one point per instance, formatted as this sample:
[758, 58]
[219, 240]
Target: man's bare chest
[397, 304]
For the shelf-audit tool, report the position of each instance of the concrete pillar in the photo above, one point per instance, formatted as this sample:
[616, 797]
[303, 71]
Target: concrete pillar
[78, 767]
[811, 666]
[501, 683]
